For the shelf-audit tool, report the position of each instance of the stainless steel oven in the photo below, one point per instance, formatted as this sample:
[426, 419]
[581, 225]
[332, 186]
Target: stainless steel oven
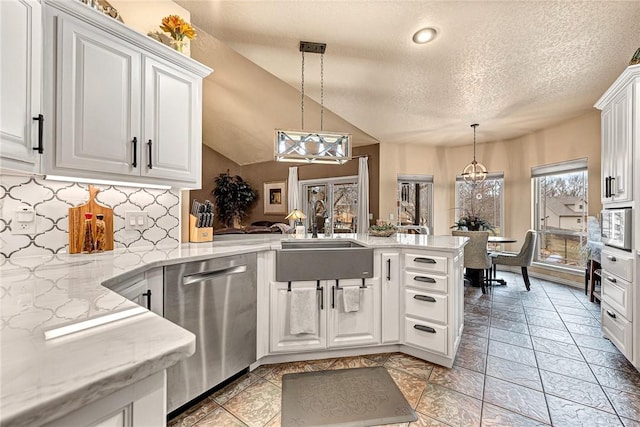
[616, 228]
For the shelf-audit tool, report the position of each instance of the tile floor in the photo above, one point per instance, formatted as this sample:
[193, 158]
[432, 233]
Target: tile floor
[526, 359]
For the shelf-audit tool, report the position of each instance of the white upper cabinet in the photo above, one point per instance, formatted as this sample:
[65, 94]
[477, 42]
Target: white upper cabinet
[171, 120]
[619, 107]
[98, 89]
[127, 108]
[20, 80]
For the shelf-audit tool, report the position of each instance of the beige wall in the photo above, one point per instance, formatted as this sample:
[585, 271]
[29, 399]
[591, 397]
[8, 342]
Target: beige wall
[256, 174]
[576, 138]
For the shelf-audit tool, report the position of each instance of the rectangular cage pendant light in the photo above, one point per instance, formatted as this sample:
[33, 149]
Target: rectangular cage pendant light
[312, 146]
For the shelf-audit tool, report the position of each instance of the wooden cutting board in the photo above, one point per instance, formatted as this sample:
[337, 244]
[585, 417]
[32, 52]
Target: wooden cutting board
[76, 222]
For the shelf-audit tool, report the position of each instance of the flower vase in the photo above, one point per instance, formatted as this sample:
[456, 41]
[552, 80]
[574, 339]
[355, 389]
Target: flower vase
[179, 45]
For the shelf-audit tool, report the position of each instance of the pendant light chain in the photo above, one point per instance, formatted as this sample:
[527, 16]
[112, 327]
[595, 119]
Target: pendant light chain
[322, 92]
[302, 91]
[474, 143]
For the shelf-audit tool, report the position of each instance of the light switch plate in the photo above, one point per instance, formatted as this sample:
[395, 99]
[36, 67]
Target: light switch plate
[135, 220]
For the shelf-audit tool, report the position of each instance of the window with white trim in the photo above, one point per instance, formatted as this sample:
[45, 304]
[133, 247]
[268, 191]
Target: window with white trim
[484, 199]
[415, 200]
[560, 212]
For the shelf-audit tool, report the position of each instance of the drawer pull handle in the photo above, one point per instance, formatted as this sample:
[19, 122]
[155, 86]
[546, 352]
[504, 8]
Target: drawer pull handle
[612, 279]
[424, 279]
[611, 258]
[424, 298]
[424, 329]
[611, 314]
[424, 260]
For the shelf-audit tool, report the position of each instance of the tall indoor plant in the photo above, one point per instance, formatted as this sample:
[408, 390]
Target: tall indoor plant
[234, 196]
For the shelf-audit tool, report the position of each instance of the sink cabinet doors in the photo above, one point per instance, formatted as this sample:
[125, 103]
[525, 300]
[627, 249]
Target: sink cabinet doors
[336, 328]
[281, 340]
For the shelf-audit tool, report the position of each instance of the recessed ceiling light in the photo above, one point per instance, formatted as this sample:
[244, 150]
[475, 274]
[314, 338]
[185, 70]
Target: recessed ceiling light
[424, 35]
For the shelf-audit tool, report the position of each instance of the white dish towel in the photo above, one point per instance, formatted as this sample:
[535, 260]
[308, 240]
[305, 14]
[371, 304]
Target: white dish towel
[303, 314]
[351, 298]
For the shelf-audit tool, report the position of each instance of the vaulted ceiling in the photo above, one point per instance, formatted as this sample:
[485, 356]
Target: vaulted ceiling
[512, 66]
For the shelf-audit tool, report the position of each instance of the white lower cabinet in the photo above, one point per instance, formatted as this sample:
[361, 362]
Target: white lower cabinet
[413, 303]
[281, 339]
[390, 280]
[426, 335]
[618, 329]
[362, 327]
[617, 300]
[142, 404]
[335, 327]
[432, 288]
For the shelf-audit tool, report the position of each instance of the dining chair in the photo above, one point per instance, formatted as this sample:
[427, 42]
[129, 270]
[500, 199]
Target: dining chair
[522, 259]
[475, 253]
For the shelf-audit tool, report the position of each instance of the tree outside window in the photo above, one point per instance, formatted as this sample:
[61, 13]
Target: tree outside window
[560, 216]
[483, 199]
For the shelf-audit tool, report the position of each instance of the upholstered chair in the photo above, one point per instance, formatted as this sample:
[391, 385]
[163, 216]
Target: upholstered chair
[522, 259]
[475, 253]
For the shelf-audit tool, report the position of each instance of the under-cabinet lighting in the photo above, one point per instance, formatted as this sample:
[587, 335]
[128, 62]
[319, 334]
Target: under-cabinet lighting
[105, 182]
[92, 323]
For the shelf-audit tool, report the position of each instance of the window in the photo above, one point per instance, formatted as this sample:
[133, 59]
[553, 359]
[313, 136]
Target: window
[334, 201]
[415, 200]
[483, 199]
[560, 212]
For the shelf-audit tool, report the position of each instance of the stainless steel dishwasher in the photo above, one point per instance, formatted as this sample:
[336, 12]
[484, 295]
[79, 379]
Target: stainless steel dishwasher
[216, 300]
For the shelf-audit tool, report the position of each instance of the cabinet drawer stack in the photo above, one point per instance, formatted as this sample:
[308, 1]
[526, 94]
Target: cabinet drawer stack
[426, 302]
[617, 298]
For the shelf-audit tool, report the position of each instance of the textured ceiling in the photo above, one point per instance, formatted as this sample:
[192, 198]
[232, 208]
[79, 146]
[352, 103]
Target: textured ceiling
[512, 66]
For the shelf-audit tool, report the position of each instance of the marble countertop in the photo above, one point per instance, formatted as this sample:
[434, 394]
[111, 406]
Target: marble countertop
[44, 379]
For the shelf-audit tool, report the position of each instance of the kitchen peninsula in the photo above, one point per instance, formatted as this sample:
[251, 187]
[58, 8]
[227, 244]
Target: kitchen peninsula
[44, 380]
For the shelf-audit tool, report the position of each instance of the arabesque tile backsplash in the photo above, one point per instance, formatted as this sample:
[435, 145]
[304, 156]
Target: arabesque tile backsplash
[52, 200]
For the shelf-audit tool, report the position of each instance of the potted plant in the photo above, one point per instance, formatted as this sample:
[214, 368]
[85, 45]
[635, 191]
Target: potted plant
[472, 222]
[234, 196]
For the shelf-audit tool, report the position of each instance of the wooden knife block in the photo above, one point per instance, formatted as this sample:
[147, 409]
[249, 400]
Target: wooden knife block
[199, 235]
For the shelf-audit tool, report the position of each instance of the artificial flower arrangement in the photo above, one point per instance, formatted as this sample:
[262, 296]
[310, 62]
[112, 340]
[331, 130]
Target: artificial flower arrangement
[472, 222]
[178, 29]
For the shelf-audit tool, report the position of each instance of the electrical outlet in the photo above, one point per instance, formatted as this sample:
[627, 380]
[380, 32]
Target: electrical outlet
[136, 220]
[24, 220]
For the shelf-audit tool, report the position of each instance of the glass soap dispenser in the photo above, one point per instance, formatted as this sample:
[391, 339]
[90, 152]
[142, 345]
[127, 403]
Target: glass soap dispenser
[87, 242]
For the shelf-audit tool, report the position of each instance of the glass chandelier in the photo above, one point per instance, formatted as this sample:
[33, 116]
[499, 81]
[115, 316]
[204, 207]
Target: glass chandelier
[474, 171]
[312, 146]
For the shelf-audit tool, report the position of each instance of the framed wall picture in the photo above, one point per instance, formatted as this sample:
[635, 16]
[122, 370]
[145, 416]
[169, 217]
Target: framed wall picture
[275, 197]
